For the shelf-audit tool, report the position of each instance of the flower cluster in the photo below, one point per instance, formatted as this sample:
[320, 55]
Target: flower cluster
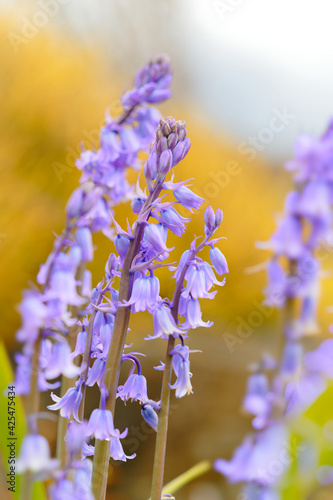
[52, 313]
[142, 249]
[64, 280]
[74, 331]
[294, 273]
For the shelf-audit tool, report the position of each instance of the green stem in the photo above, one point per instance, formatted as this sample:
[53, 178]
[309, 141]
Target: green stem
[163, 417]
[33, 407]
[187, 477]
[162, 430]
[66, 384]
[114, 359]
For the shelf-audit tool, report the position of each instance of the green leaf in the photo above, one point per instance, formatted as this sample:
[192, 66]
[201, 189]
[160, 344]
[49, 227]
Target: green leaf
[6, 379]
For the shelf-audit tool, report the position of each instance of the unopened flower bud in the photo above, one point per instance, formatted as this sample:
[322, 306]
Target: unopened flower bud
[172, 140]
[209, 218]
[150, 416]
[137, 204]
[91, 199]
[218, 217]
[84, 240]
[161, 145]
[74, 205]
[165, 162]
[121, 243]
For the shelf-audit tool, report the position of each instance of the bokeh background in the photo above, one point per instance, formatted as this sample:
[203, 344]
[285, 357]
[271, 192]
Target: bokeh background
[236, 66]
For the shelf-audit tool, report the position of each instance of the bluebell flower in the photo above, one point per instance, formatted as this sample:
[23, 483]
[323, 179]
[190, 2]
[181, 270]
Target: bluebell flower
[137, 204]
[258, 399]
[171, 219]
[80, 343]
[84, 240]
[35, 455]
[219, 261]
[82, 480]
[190, 309]
[101, 340]
[116, 449]
[164, 324]
[292, 359]
[69, 404]
[182, 262]
[121, 243]
[34, 314]
[96, 373]
[153, 235]
[145, 293]
[149, 415]
[209, 218]
[187, 198]
[135, 388]
[302, 393]
[75, 436]
[200, 278]
[181, 367]
[100, 425]
[253, 459]
[23, 373]
[61, 490]
[56, 359]
[320, 360]
[275, 292]
[151, 84]
[287, 239]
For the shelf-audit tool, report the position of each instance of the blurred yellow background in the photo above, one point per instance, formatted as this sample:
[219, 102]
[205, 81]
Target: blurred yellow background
[53, 93]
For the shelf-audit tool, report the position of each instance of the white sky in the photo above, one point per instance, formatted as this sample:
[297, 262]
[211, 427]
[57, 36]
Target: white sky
[239, 63]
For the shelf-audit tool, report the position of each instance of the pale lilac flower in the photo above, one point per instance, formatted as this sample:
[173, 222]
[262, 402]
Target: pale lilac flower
[187, 198]
[96, 373]
[69, 404]
[219, 261]
[209, 220]
[100, 425]
[135, 388]
[320, 360]
[200, 279]
[84, 240]
[154, 237]
[23, 373]
[76, 436]
[171, 219]
[34, 313]
[121, 243]
[145, 293]
[149, 415]
[258, 398]
[254, 460]
[56, 359]
[181, 367]
[182, 262]
[151, 84]
[190, 309]
[287, 240]
[35, 455]
[62, 490]
[116, 449]
[292, 359]
[301, 394]
[164, 324]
